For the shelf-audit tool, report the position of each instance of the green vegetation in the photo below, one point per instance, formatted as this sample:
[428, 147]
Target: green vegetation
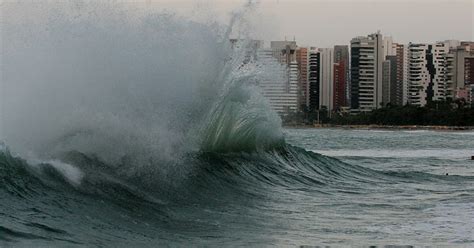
[447, 113]
[307, 117]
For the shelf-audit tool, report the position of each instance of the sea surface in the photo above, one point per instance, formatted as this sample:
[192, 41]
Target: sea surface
[322, 187]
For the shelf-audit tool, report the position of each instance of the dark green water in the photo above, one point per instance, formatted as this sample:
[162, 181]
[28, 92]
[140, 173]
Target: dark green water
[373, 188]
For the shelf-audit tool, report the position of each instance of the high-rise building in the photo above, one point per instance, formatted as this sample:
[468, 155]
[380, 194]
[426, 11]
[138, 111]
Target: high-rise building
[469, 64]
[386, 81]
[284, 51]
[280, 84]
[400, 91]
[391, 88]
[339, 97]
[292, 87]
[341, 61]
[302, 59]
[366, 72]
[314, 78]
[456, 68]
[427, 72]
[326, 88]
[394, 73]
[451, 73]
[281, 89]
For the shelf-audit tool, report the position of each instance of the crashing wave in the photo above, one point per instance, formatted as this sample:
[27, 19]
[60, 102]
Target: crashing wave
[126, 85]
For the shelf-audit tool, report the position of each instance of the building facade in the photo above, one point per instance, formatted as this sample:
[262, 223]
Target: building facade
[366, 73]
[392, 88]
[326, 86]
[456, 68]
[341, 62]
[314, 65]
[469, 77]
[400, 92]
[469, 70]
[302, 58]
[427, 73]
[339, 97]
[280, 84]
[388, 46]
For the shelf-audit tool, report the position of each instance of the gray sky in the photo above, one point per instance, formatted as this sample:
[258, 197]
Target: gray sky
[324, 23]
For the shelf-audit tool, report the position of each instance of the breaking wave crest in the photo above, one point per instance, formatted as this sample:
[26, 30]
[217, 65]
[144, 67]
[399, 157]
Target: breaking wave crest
[127, 85]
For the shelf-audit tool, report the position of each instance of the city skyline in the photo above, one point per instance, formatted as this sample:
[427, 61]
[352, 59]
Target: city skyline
[381, 73]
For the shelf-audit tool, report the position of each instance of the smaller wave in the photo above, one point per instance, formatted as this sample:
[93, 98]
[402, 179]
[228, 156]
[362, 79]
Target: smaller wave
[401, 153]
[418, 131]
[16, 172]
[72, 174]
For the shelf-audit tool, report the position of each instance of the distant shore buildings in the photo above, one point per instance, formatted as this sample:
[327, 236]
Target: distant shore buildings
[366, 73]
[372, 72]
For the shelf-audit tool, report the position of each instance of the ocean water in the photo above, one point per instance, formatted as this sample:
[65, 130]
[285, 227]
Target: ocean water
[373, 188]
[125, 127]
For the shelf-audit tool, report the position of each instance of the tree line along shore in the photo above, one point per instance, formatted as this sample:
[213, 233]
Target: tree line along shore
[386, 127]
[435, 115]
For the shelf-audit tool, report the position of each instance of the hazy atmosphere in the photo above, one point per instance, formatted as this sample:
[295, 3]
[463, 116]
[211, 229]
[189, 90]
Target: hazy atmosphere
[323, 23]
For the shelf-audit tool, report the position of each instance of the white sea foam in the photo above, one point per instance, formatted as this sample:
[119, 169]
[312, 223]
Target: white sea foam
[72, 174]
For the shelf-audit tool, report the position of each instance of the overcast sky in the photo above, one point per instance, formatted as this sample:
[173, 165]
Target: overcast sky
[324, 23]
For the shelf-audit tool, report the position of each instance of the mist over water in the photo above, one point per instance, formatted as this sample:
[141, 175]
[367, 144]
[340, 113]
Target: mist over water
[132, 127]
[117, 82]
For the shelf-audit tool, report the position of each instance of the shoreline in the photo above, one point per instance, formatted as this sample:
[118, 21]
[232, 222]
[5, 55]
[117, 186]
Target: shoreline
[383, 127]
